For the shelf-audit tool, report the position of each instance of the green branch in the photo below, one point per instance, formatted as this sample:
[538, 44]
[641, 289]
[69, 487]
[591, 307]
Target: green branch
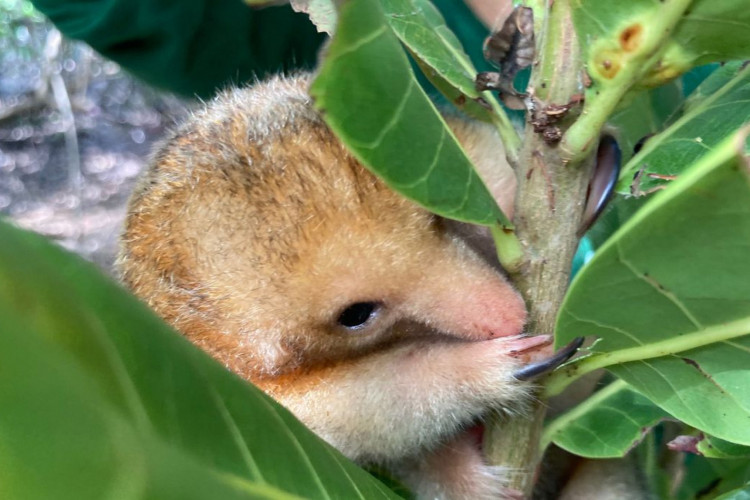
[603, 98]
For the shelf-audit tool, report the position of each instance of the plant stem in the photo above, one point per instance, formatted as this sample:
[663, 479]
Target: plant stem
[549, 206]
[559, 380]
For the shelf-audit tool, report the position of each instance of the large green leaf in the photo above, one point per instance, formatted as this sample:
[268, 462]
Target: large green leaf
[421, 27]
[440, 56]
[716, 110]
[99, 397]
[707, 31]
[369, 97]
[607, 425]
[669, 296]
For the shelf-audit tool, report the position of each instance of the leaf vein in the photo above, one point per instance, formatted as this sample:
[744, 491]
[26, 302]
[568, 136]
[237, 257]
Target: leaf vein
[236, 433]
[393, 120]
[343, 470]
[674, 391]
[296, 443]
[658, 288]
[596, 437]
[737, 346]
[421, 179]
[608, 327]
[625, 415]
[354, 46]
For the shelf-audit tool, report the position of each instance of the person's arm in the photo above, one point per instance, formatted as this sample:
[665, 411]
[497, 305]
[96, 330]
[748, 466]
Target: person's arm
[192, 47]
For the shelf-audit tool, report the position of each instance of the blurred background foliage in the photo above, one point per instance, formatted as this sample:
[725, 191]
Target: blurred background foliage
[75, 131]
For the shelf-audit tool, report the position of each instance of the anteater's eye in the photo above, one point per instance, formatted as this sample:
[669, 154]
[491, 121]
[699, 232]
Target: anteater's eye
[358, 314]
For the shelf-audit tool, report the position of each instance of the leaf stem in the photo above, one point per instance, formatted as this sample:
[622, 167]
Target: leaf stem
[506, 130]
[509, 249]
[605, 95]
[560, 379]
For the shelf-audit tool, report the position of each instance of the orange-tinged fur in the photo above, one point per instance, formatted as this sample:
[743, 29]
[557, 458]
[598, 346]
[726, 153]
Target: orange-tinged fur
[254, 229]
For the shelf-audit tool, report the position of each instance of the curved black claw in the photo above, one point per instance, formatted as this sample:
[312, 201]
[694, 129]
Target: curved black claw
[603, 181]
[534, 370]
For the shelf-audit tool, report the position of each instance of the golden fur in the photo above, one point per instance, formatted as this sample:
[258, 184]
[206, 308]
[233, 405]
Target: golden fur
[254, 228]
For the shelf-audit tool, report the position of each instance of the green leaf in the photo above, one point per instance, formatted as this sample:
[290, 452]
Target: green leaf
[619, 210]
[713, 447]
[716, 110]
[99, 397]
[474, 108]
[421, 27]
[608, 424]
[440, 56]
[322, 13]
[669, 296]
[369, 97]
[714, 31]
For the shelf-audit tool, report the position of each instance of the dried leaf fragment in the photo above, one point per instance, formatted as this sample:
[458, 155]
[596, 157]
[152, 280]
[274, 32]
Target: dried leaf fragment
[512, 47]
[322, 13]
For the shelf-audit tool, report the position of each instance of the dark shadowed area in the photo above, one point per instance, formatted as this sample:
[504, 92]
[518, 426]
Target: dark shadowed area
[75, 131]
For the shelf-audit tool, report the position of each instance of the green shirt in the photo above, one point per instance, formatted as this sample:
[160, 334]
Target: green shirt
[195, 47]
